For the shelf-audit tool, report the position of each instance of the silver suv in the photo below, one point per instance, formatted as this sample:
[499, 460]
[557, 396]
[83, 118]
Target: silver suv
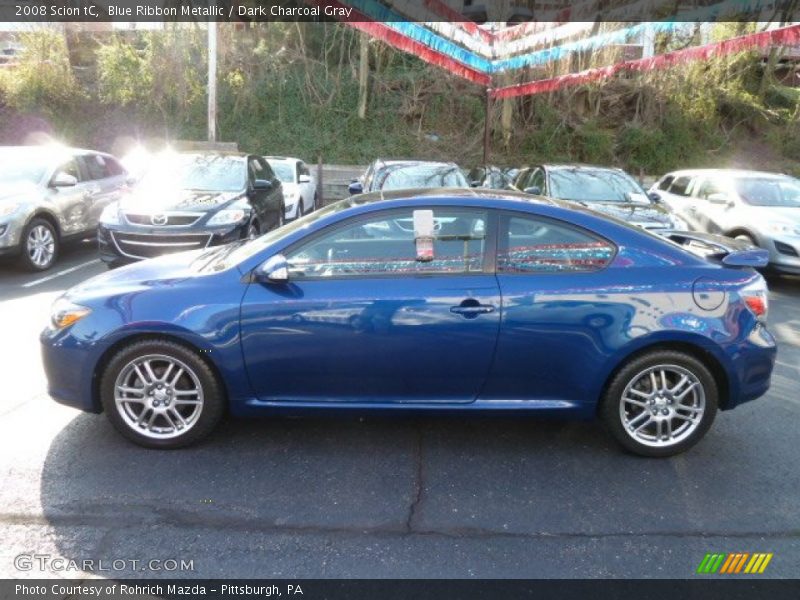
[49, 194]
[760, 208]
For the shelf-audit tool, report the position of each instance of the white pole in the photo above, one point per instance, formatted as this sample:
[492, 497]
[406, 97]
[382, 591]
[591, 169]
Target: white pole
[212, 81]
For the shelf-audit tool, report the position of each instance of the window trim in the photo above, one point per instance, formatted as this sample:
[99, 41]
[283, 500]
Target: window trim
[506, 215]
[489, 246]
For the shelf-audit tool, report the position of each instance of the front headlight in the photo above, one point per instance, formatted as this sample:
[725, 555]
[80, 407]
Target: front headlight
[227, 217]
[110, 215]
[784, 228]
[65, 313]
[8, 209]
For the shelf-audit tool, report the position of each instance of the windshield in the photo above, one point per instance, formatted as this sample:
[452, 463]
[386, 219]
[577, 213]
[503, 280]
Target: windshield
[203, 172]
[584, 185]
[20, 168]
[769, 191]
[284, 170]
[224, 257]
[419, 176]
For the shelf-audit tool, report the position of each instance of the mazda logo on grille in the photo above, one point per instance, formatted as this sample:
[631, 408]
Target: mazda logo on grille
[159, 219]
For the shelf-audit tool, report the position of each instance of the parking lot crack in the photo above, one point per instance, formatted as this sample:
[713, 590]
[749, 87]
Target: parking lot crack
[419, 482]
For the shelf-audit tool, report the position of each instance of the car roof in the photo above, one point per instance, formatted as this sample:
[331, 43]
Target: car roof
[726, 172]
[284, 158]
[412, 162]
[453, 193]
[577, 166]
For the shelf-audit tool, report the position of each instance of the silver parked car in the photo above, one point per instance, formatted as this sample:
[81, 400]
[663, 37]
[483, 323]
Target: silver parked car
[49, 194]
[760, 208]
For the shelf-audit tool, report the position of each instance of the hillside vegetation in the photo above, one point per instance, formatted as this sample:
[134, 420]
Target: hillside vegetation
[293, 89]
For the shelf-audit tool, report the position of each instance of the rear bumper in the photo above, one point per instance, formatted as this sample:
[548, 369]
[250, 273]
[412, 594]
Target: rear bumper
[751, 367]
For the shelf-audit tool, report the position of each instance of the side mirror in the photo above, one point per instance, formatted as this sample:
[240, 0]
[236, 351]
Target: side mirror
[654, 197]
[274, 270]
[262, 184]
[304, 179]
[535, 190]
[718, 198]
[63, 180]
[355, 188]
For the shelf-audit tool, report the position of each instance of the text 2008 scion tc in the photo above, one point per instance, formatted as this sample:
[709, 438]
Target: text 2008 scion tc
[427, 300]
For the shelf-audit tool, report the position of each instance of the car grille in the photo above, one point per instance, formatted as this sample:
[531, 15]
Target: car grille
[175, 220]
[137, 245]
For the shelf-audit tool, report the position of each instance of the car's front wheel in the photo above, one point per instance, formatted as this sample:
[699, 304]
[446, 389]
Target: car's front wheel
[39, 245]
[160, 394]
[661, 403]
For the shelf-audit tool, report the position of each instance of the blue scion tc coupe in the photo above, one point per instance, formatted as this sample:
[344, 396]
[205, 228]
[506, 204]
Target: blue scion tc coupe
[435, 300]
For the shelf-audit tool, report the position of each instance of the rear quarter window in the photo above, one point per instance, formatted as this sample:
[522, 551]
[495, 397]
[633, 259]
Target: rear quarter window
[530, 244]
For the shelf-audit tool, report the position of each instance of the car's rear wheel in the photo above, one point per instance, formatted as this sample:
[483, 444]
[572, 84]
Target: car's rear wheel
[661, 403]
[160, 394]
[39, 245]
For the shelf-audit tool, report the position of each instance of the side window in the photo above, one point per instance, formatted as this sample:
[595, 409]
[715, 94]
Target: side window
[304, 170]
[70, 168]
[708, 187]
[537, 180]
[680, 187]
[521, 178]
[384, 244]
[531, 245]
[259, 169]
[114, 168]
[96, 167]
[666, 182]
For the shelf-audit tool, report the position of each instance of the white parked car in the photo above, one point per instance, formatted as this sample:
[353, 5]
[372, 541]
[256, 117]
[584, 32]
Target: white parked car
[299, 187]
[760, 208]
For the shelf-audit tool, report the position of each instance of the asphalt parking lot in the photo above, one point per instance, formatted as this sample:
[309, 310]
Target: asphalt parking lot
[386, 497]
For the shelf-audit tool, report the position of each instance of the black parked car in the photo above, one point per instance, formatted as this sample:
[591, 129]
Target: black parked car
[188, 201]
[408, 174]
[489, 177]
[604, 189]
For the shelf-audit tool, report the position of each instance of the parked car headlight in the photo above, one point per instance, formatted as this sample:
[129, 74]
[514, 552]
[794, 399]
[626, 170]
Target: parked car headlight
[785, 228]
[9, 209]
[227, 217]
[110, 215]
[65, 313]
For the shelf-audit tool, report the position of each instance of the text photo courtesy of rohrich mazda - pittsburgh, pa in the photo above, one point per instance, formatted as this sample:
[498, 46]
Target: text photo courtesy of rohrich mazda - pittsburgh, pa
[436, 299]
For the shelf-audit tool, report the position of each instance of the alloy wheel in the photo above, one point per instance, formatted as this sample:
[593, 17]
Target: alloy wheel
[158, 396]
[662, 405]
[41, 246]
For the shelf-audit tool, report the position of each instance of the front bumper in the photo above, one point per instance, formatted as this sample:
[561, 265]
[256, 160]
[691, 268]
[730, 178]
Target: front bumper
[120, 245]
[10, 235]
[784, 254]
[69, 367]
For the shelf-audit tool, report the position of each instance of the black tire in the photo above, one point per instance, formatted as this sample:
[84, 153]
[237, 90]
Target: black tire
[281, 217]
[315, 206]
[26, 260]
[211, 410]
[610, 409]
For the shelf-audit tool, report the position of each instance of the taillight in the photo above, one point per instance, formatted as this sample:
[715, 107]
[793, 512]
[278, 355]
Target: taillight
[755, 296]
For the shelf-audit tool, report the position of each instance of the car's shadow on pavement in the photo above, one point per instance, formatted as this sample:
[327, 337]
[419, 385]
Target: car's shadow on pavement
[404, 480]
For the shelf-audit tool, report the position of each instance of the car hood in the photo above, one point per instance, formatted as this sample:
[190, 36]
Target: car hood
[161, 272]
[632, 212]
[17, 191]
[156, 200]
[779, 213]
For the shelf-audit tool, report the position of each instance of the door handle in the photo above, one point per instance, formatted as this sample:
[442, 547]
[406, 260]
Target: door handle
[471, 308]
